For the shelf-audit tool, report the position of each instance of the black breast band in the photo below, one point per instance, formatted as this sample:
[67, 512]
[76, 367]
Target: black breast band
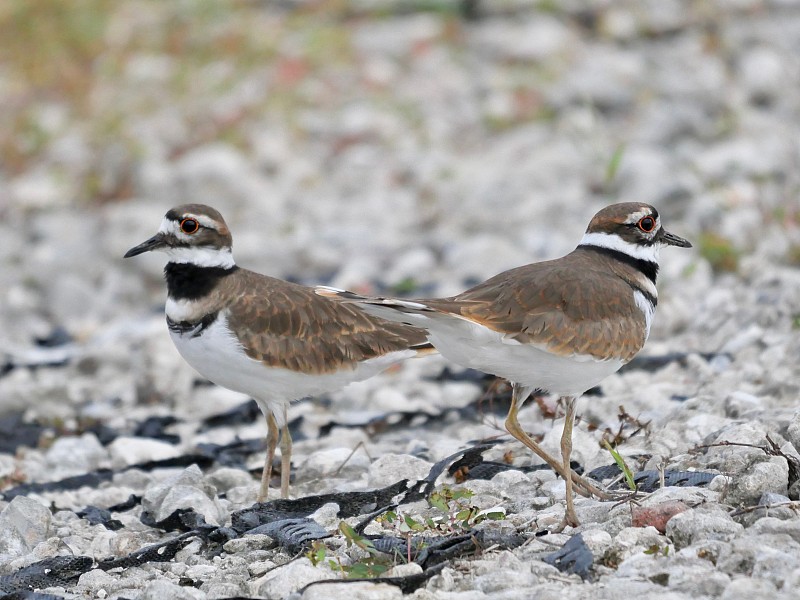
[192, 328]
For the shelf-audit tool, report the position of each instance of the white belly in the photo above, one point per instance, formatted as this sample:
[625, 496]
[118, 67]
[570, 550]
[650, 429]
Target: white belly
[472, 345]
[218, 356]
[524, 364]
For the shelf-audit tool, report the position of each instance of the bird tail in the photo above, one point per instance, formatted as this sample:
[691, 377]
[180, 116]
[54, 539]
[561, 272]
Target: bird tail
[391, 309]
[396, 304]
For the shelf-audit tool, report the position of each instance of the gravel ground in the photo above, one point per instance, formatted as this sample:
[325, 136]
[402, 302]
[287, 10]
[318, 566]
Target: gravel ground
[377, 147]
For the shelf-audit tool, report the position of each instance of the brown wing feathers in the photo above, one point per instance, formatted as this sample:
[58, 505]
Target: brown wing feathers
[549, 304]
[302, 331]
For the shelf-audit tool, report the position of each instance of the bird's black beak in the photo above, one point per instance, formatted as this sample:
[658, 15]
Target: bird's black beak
[670, 239]
[154, 243]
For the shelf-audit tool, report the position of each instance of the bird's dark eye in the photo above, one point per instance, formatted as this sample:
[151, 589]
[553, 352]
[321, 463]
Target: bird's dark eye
[191, 226]
[647, 224]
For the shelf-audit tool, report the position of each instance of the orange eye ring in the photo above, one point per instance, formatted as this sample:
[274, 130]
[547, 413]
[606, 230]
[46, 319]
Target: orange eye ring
[647, 224]
[190, 226]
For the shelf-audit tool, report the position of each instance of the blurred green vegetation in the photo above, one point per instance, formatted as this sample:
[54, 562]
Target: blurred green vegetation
[91, 65]
[720, 252]
[107, 73]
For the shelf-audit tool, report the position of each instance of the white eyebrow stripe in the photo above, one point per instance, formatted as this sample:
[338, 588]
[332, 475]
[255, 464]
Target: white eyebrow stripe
[205, 221]
[172, 226]
[635, 217]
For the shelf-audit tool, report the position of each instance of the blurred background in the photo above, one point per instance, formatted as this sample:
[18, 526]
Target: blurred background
[414, 146]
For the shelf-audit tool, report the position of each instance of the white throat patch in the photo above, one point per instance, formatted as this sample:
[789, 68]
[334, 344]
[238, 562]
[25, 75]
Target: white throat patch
[614, 242]
[202, 256]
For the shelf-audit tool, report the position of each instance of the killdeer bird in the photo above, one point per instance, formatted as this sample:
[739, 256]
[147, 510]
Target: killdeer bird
[559, 326]
[273, 340]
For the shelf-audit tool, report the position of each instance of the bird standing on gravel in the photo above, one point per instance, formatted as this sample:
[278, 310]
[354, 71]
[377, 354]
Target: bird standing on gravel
[559, 326]
[274, 340]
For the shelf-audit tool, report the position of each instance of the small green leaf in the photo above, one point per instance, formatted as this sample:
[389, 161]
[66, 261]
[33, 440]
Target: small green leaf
[463, 493]
[464, 514]
[388, 517]
[492, 516]
[622, 466]
[656, 549]
[348, 532]
[412, 524]
[353, 538]
[317, 553]
[379, 569]
[438, 501]
[358, 571]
